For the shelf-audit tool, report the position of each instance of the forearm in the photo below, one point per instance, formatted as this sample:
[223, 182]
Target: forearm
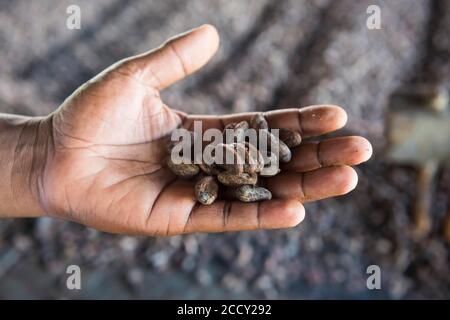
[24, 144]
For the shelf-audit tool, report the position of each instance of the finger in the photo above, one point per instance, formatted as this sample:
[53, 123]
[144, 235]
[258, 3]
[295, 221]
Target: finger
[176, 58]
[238, 216]
[314, 185]
[331, 152]
[309, 121]
[170, 209]
[175, 211]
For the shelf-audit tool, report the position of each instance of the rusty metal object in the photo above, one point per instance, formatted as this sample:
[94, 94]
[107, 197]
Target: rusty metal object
[418, 133]
[425, 178]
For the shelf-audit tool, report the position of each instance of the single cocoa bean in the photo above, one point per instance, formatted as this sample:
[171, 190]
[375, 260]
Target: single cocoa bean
[233, 180]
[183, 170]
[254, 160]
[271, 166]
[237, 125]
[270, 171]
[290, 137]
[258, 122]
[284, 153]
[235, 131]
[249, 193]
[206, 190]
[231, 160]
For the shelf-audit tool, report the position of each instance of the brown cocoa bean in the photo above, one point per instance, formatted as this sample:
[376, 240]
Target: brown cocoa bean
[237, 125]
[183, 170]
[233, 180]
[273, 142]
[284, 152]
[249, 193]
[236, 131]
[254, 160]
[258, 122]
[290, 137]
[231, 161]
[206, 190]
[270, 171]
[271, 166]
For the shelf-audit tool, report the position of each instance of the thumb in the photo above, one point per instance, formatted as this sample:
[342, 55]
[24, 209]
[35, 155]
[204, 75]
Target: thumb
[177, 58]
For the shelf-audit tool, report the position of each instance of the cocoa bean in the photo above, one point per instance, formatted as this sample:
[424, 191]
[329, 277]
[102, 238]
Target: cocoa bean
[206, 190]
[271, 166]
[236, 130]
[290, 137]
[249, 193]
[237, 125]
[229, 153]
[258, 122]
[233, 180]
[183, 170]
[254, 160]
[284, 153]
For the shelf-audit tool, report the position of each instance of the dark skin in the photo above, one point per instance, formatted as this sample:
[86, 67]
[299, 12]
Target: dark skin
[99, 158]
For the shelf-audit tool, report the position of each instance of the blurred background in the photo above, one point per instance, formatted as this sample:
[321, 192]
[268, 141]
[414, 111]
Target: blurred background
[273, 54]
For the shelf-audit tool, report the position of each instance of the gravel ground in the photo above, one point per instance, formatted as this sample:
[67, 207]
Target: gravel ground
[273, 54]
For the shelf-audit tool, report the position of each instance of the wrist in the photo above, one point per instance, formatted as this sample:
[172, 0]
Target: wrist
[25, 144]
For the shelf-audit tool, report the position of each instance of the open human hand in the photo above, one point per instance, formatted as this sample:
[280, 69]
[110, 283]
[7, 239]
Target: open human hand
[107, 144]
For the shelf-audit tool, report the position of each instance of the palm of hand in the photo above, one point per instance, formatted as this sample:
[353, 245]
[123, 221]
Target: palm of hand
[107, 167]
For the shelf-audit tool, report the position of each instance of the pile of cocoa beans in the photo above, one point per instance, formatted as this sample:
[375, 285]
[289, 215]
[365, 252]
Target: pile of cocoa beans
[240, 179]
